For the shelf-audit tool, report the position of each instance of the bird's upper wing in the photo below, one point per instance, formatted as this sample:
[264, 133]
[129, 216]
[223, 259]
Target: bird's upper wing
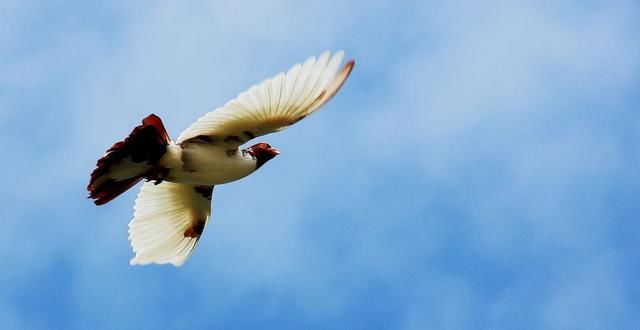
[168, 220]
[274, 104]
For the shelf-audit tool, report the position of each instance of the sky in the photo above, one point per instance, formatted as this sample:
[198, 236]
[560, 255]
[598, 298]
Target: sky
[478, 170]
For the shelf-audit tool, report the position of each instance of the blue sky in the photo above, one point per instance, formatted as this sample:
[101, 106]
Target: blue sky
[480, 168]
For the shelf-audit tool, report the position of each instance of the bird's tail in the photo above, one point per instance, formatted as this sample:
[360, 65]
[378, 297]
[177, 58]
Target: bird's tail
[129, 161]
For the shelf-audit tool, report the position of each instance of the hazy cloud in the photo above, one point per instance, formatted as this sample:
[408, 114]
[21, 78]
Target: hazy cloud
[477, 168]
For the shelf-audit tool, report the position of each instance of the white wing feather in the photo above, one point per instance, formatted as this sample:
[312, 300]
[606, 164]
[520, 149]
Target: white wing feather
[163, 215]
[274, 104]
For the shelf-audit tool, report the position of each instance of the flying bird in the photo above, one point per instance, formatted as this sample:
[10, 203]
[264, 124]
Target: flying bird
[174, 204]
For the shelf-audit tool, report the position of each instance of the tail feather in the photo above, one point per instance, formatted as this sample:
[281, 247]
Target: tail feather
[112, 189]
[129, 161]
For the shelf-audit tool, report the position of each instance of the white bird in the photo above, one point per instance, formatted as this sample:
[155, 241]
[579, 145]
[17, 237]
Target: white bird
[174, 204]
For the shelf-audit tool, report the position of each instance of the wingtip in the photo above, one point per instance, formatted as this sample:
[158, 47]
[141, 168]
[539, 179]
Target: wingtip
[339, 80]
[348, 67]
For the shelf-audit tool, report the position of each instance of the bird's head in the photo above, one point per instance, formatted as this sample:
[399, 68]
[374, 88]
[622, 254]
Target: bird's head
[263, 153]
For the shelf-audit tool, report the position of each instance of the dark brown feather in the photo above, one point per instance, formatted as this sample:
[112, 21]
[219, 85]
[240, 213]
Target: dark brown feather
[195, 231]
[146, 143]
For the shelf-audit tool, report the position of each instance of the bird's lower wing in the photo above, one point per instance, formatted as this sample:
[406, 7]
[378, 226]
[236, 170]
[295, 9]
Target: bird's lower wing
[168, 220]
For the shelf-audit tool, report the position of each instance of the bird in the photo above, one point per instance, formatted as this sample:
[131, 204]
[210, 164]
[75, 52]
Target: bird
[173, 206]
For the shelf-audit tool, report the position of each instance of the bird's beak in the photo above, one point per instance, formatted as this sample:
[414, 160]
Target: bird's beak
[275, 151]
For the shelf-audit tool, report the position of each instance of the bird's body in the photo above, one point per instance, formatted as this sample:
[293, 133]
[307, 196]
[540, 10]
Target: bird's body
[206, 164]
[174, 205]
